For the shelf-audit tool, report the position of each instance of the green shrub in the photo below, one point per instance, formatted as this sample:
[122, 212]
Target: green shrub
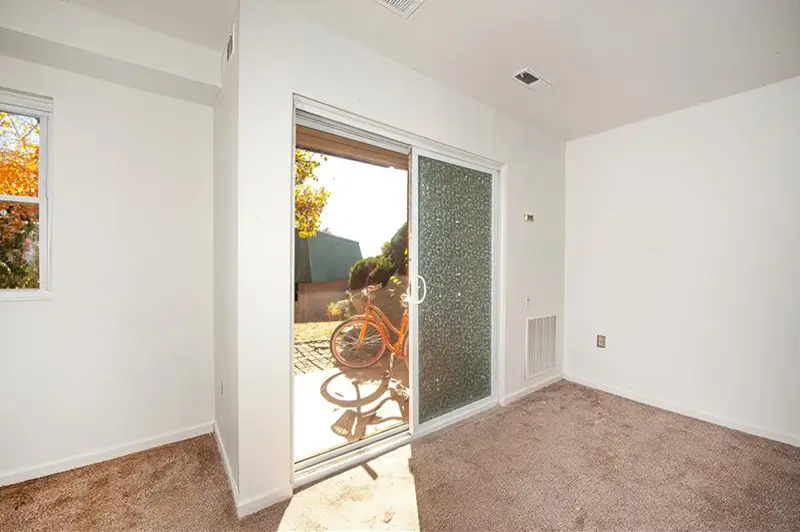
[396, 249]
[390, 269]
[369, 271]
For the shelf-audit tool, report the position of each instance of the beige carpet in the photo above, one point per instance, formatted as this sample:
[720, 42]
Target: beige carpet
[565, 458]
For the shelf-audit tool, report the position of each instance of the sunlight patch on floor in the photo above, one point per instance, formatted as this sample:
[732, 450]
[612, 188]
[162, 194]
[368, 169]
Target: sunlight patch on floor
[377, 495]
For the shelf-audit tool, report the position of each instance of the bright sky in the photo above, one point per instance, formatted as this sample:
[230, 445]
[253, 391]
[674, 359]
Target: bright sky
[368, 203]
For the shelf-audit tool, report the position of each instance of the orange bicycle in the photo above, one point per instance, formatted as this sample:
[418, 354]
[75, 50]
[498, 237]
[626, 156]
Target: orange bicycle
[361, 340]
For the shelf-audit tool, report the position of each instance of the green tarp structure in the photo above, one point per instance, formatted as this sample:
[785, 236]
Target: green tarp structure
[324, 258]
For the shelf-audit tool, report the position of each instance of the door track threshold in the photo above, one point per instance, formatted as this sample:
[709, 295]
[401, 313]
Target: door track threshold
[319, 470]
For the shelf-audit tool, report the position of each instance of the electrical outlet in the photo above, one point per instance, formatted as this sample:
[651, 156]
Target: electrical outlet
[601, 341]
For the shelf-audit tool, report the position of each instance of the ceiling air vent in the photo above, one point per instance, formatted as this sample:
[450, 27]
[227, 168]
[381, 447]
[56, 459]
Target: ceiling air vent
[532, 80]
[404, 8]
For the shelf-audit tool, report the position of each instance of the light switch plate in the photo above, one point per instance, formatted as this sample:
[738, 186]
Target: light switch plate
[601, 341]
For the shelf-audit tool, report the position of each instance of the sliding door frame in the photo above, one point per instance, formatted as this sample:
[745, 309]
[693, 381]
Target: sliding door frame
[434, 149]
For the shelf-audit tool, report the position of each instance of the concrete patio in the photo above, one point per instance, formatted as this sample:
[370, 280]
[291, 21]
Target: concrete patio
[335, 405]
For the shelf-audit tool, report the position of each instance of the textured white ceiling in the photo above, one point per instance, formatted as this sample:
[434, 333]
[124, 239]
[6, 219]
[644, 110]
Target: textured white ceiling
[611, 62]
[203, 22]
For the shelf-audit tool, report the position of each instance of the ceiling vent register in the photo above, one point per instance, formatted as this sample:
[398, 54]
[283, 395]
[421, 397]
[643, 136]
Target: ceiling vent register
[532, 80]
[403, 8]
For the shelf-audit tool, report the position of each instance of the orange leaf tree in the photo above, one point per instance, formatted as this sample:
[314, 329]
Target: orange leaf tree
[19, 222]
[309, 199]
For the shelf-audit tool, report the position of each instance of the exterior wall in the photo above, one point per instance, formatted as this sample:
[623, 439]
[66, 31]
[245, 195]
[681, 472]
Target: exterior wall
[313, 298]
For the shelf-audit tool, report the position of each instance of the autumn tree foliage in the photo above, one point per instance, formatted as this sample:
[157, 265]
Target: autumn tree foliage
[19, 222]
[309, 198]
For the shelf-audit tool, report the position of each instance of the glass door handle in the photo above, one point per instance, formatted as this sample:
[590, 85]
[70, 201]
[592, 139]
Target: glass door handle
[424, 289]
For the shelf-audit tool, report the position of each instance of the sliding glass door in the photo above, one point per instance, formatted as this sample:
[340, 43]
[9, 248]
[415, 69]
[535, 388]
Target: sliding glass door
[395, 301]
[452, 255]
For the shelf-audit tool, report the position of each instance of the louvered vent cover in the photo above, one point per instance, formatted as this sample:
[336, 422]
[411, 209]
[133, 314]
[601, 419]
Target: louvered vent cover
[532, 80]
[404, 8]
[541, 346]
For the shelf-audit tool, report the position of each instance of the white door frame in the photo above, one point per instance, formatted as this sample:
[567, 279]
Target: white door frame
[438, 150]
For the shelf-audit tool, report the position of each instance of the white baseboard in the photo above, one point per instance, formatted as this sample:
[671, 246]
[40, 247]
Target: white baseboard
[690, 412]
[537, 385]
[253, 504]
[260, 502]
[227, 464]
[101, 455]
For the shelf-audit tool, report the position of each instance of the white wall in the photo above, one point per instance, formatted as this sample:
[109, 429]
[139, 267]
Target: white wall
[340, 72]
[534, 253]
[77, 27]
[226, 153]
[683, 247]
[121, 357]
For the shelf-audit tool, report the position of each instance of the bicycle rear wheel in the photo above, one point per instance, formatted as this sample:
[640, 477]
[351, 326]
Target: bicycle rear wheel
[348, 347]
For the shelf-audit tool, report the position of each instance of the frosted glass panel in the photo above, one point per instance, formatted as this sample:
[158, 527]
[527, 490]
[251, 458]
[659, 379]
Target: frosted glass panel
[455, 258]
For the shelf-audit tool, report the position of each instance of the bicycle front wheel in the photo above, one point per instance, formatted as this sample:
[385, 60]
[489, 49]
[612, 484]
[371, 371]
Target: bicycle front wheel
[357, 343]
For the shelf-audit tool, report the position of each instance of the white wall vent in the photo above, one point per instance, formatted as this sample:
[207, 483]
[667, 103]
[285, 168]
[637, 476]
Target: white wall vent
[540, 346]
[532, 80]
[404, 8]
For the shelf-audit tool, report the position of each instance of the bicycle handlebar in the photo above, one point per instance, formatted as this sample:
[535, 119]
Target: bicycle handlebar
[368, 292]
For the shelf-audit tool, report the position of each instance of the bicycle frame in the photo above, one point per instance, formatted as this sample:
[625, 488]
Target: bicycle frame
[373, 314]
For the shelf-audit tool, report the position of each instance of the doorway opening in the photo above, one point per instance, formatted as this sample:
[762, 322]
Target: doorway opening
[351, 262]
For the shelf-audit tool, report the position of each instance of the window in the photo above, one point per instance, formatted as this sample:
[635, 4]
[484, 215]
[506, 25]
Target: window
[24, 241]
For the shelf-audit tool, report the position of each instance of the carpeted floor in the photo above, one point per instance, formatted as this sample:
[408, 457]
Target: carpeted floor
[564, 458]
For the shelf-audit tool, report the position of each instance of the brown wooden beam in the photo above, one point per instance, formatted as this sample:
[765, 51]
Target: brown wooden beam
[310, 139]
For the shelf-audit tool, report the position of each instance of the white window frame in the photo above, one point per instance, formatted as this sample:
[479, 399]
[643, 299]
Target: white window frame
[42, 108]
